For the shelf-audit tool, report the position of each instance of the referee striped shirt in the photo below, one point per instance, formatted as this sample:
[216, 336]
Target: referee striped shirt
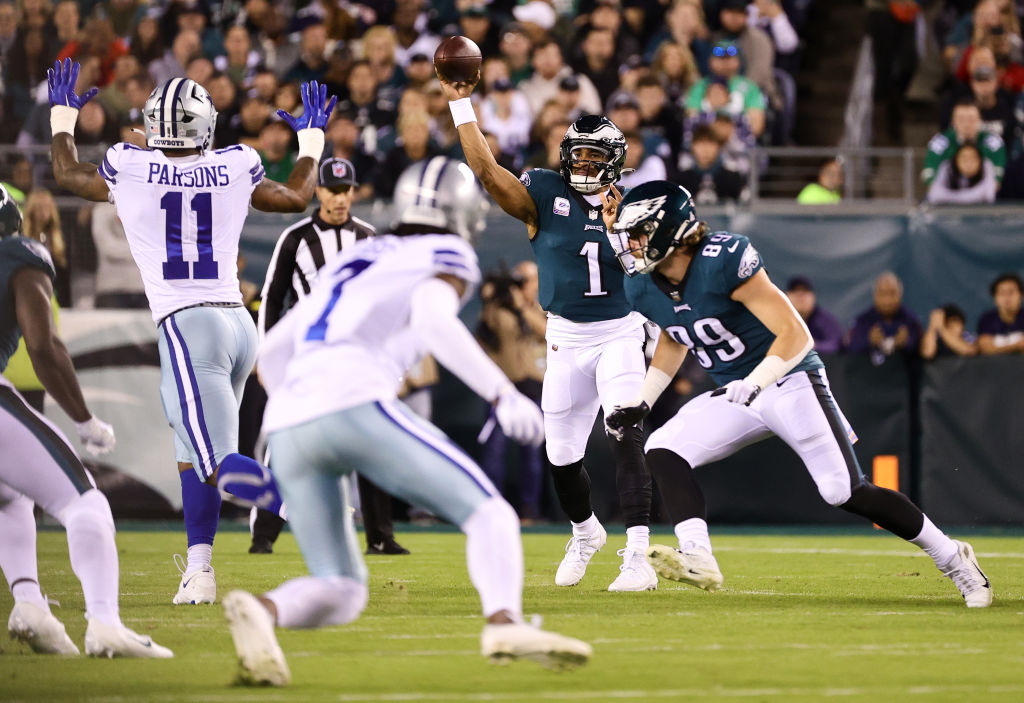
[301, 251]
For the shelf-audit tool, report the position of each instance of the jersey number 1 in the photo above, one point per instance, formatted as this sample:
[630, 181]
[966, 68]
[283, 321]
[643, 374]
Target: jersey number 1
[592, 250]
[176, 268]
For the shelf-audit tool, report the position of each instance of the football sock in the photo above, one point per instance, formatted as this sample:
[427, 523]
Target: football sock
[311, 601]
[247, 479]
[572, 484]
[638, 538]
[693, 531]
[93, 553]
[891, 510]
[587, 527]
[494, 556]
[201, 504]
[18, 550]
[935, 543]
[632, 479]
[679, 489]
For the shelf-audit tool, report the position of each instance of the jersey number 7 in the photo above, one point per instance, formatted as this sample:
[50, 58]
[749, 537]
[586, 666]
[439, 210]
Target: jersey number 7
[176, 268]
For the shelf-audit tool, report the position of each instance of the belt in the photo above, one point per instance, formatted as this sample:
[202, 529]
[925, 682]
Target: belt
[198, 305]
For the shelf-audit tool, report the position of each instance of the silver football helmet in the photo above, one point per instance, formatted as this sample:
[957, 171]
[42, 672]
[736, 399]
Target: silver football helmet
[179, 114]
[442, 193]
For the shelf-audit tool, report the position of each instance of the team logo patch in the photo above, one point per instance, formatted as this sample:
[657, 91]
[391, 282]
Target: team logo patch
[339, 169]
[525, 179]
[561, 207]
[748, 262]
[594, 214]
[599, 228]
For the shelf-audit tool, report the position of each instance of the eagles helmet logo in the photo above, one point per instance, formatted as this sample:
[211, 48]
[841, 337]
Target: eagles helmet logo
[638, 211]
[525, 179]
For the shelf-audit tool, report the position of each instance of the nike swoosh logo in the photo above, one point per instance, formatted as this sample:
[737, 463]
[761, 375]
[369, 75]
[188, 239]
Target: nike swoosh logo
[779, 384]
[733, 247]
[379, 546]
[680, 308]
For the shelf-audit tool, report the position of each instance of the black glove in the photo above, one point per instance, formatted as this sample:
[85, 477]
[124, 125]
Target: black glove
[623, 416]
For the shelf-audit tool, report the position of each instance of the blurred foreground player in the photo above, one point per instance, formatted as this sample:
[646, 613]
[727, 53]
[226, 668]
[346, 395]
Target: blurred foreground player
[329, 368]
[38, 465]
[709, 292]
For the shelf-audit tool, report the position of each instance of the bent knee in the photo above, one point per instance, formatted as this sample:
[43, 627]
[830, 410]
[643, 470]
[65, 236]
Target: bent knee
[835, 492]
[91, 506]
[348, 602]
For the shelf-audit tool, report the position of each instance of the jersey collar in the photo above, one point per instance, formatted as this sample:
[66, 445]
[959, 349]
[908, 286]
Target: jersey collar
[675, 292]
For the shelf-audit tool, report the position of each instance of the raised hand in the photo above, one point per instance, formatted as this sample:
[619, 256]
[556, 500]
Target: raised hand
[610, 200]
[60, 83]
[315, 108]
[456, 91]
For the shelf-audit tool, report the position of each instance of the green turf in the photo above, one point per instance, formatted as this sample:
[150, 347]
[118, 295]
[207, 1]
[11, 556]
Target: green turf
[800, 618]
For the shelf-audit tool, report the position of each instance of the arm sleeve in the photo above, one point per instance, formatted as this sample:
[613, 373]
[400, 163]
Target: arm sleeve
[786, 40]
[277, 283]
[434, 316]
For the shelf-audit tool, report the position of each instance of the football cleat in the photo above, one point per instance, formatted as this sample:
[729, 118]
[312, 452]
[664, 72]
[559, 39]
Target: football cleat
[508, 642]
[260, 659]
[578, 552]
[102, 640]
[195, 588]
[635, 574]
[692, 564]
[40, 630]
[963, 569]
[386, 546]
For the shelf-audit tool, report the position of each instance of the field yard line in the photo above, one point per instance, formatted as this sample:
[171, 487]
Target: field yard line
[855, 552]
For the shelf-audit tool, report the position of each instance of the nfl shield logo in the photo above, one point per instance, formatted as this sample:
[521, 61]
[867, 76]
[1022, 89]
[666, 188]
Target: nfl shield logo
[339, 170]
[594, 214]
[561, 207]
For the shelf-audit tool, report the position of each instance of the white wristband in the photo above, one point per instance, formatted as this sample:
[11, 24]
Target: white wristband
[462, 111]
[654, 385]
[770, 370]
[63, 119]
[311, 143]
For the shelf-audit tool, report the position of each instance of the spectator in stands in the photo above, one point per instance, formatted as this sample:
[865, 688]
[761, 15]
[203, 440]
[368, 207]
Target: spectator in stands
[736, 139]
[29, 56]
[995, 104]
[658, 117]
[537, 17]
[8, 30]
[755, 46]
[475, 23]
[548, 71]
[607, 14]
[510, 161]
[277, 51]
[97, 39]
[66, 21]
[118, 281]
[343, 143]
[93, 127]
[684, 25]
[624, 111]
[410, 23]
[201, 70]
[192, 15]
[184, 48]
[413, 145]
[824, 327]
[598, 61]
[505, 113]
[745, 98]
[312, 63]
[225, 99]
[715, 107]
[704, 174]
[362, 99]
[568, 97]
[146, 44]
[674, 64]
[517, 50]
[379, 45]
[947, 334]
[966, 179]
[770, 17]
[420, 71]
[1001, 330]
[966, 128]
[114, 97]
[641, 166]
[19, 181]
[238, 60]
[42, 223]
[275, 150]
[886, 327]
[547, 155]
[253, 115]
[891, 28]
[824, 191]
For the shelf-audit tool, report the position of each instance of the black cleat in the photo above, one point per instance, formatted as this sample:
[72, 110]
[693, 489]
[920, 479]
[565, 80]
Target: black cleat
[387, 546]
[261, 545]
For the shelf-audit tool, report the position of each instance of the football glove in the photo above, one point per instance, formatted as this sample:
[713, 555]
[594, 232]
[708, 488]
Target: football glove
[96, 436]
[623, 416]
[740, 391]
[315, 108]
[519, 417]
[60, 84]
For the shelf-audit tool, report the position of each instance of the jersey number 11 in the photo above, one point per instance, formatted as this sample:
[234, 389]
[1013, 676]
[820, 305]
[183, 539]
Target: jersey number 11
[176, 268]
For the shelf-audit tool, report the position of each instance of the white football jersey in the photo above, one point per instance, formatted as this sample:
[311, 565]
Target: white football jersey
[183, 217]
[349, 342]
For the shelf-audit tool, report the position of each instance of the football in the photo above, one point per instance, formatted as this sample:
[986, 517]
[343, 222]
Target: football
[457, 59]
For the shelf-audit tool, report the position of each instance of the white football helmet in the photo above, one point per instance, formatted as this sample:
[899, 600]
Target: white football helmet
[442, 193]
[179, 114]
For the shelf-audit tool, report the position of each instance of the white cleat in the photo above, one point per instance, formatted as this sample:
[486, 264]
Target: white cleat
[40, 630]
[968, 577]
[102, 640]
[692, 564]
[578, 553]
[195, 588]
[635, 574]
[260, 659]
[504, 643]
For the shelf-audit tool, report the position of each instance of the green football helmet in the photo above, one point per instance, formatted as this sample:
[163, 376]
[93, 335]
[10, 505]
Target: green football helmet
[10, 215]
[653, 220]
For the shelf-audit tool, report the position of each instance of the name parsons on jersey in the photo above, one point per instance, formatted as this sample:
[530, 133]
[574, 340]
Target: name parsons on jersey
[201, 177]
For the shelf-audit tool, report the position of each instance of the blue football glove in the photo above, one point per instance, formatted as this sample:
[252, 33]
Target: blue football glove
[60, 81]
[314, 112]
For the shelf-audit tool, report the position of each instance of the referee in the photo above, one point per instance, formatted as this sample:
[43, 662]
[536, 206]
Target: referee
[302, 250]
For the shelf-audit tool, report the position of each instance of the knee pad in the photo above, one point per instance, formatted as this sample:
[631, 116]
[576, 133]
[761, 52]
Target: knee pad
[91, 506]
[834, 491]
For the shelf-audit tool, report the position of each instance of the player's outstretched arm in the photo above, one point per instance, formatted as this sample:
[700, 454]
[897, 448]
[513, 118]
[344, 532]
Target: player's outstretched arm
[294, 196]
[82, 179]
[502, 185]
[50, 359]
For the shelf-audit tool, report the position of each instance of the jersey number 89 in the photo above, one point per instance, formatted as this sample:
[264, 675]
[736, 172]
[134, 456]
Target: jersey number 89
[711, 333]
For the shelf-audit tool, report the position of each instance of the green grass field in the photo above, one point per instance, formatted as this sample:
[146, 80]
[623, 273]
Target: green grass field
[805, 617]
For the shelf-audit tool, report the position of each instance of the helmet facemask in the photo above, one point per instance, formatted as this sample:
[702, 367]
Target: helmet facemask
[596, 134]
[586, 182]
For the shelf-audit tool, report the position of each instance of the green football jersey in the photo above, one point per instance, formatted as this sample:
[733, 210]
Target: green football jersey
[727, 339]
[579, 277]
[16, 253]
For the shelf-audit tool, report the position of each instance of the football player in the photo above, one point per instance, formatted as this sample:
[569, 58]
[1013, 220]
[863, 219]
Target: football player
[595, 342]
[38, 465]
[709, 293]
[329, 367]
[183, 206]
